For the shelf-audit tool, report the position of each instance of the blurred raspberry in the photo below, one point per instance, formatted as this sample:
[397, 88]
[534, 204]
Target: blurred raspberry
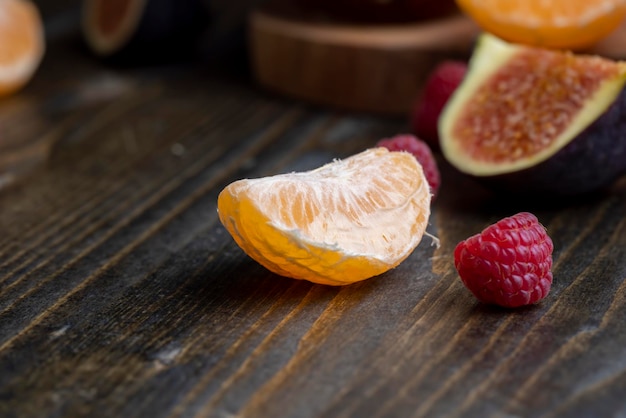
[439, 86]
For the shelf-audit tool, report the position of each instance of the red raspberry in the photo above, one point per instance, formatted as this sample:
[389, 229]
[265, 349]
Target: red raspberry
[509, 263]
[441, 83]
[421, 151]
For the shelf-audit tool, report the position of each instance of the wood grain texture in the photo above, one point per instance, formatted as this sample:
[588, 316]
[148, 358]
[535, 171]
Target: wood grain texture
[121, 295]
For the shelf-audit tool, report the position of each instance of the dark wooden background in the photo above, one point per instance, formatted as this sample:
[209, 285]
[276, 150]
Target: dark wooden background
[121, 295]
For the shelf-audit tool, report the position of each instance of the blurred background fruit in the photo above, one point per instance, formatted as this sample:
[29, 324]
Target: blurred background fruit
[22, 44]
[439, 86]
[568, 24]
[141, 30]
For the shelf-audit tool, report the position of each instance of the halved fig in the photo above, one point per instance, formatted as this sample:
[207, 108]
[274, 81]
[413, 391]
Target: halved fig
[139, 30]
[535, 120]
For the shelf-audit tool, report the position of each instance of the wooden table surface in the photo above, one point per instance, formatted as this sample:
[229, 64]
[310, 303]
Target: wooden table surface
[121, 294]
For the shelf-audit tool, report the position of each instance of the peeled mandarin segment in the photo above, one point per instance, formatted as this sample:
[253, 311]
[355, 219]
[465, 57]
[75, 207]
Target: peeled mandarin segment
[21, 43]
[346, 221]
[566, 24]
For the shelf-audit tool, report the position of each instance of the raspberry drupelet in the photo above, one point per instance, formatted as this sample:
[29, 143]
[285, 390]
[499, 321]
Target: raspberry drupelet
[509, 263]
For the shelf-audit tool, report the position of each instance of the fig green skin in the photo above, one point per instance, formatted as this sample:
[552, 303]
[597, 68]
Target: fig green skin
[591, 161]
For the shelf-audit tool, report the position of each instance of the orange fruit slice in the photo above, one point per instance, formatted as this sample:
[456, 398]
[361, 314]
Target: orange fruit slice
[565, 24]
[346, 221]
[22, 43]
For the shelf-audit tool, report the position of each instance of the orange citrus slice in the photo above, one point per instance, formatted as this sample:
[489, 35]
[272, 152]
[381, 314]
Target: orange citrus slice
[346, 221]
[22, 43]
[565, 24]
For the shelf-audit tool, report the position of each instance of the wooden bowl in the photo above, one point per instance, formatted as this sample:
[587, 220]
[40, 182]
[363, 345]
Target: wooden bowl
[358, 67]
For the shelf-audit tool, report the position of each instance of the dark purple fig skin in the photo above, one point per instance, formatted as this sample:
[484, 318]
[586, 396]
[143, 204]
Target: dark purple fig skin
[590, 162]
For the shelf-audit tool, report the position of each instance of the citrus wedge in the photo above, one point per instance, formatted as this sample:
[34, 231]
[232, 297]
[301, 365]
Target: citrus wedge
[566, 24]
[346, 221]
[22, 44]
